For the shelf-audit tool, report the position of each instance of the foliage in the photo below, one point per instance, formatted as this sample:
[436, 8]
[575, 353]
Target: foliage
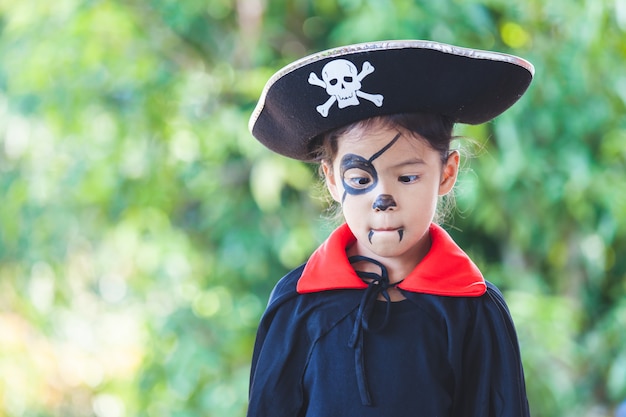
[142, 228]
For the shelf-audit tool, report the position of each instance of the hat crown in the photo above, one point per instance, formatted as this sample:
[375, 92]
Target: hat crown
[336, 87]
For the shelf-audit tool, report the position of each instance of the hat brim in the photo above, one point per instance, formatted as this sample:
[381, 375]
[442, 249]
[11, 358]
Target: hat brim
[305, 99]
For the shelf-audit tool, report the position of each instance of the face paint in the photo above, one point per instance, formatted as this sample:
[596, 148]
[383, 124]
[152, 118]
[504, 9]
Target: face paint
[384, 202]
[370, 234]
[359, 176]
[365, 175]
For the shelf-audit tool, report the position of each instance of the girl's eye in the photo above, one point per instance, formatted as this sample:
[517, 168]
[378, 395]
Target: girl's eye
[359, 182]
[408, 179]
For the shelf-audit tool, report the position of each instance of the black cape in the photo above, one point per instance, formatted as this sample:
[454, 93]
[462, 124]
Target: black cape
[342, 353]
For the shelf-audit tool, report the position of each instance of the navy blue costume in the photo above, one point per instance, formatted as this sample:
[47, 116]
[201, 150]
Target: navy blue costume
[328, 347]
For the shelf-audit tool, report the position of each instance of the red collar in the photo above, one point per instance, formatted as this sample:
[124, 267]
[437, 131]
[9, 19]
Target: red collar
[445, 270]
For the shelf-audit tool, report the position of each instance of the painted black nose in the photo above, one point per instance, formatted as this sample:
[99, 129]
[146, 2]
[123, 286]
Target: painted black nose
[384, 202]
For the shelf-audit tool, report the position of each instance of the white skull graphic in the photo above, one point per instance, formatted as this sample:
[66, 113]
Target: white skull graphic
[342, 82]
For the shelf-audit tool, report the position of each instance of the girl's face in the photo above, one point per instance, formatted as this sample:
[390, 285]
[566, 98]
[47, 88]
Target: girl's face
[388, 183]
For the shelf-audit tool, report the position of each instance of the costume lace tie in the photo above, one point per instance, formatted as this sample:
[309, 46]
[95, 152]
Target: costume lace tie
[378, 284]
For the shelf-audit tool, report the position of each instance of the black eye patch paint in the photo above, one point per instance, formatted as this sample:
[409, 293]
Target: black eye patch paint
[352, 161]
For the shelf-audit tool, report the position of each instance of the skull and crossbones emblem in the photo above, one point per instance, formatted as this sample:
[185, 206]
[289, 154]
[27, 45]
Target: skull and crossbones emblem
[342, 82]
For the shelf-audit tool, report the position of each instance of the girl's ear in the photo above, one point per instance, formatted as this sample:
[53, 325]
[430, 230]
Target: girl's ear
[331, 182]
[449, 173]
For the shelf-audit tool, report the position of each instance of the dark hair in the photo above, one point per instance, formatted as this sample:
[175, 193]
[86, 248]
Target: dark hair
[435, 129]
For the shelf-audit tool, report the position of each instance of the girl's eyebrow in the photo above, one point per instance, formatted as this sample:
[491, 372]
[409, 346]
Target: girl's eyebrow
[412, 161]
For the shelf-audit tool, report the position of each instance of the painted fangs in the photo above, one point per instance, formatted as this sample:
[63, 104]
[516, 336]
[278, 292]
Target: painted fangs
[370, 234]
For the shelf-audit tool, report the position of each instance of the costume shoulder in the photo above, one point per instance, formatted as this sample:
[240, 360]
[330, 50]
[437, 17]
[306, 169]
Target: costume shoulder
[493, 362]
[289, 328]
[483, 352]
[268, 366]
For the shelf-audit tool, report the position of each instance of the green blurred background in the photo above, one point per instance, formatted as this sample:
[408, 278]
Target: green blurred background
[142, 227]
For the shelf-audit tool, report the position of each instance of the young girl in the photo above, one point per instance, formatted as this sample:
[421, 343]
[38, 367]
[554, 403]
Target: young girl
[388, 317]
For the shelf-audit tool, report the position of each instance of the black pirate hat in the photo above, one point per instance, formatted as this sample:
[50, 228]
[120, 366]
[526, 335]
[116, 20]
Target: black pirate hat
[339, 86]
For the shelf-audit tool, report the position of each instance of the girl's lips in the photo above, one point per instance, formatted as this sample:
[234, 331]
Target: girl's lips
[386, 229]
[398, 230]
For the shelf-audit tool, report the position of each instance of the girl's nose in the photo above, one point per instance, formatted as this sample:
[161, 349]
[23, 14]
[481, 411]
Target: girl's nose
[384, 202]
